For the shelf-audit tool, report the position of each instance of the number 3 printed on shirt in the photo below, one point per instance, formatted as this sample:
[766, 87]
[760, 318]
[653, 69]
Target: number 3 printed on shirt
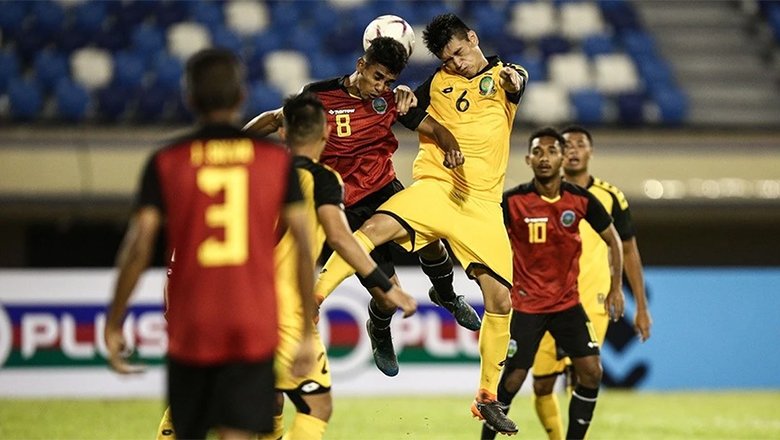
[232, 216]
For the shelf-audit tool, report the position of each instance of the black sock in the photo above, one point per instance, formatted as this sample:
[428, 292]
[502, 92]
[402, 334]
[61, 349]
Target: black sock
[440, 274]
[379, 318]
[505, 398]
[581, 406]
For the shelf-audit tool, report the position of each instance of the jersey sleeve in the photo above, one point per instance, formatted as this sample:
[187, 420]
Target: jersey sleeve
[621, 215]
[294, 193]
[515, 97]
[415, 116]
[328, 189]
[596, 215]
[150, 192]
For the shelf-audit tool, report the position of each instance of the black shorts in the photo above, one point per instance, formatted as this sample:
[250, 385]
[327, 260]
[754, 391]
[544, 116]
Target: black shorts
[237, 395]
[570, 328]
[361, 211]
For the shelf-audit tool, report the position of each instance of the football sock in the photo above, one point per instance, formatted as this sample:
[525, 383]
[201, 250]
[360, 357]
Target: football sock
[165, 430]
[336, 270]
[379, 318]
[278, 431]
[440, 274]
[549, 414]
[306, 427]
[581, 406]
[493, 342]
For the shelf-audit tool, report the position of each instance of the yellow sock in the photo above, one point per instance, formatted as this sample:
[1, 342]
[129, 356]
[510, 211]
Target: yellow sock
[549, 413]
[306, 427]
[165, 430]
[278, 429]
[336, 270]
[493, 343]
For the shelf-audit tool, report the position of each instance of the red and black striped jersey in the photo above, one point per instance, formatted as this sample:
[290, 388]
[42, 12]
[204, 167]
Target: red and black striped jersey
[361, 142]
[222, 194]
[546, 244]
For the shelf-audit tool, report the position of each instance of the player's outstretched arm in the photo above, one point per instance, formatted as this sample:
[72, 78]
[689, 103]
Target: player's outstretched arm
[615, 302]
[134, 256]
[632, 264]
[341, 240]
[510, 79]
[265, 123]
[295, 218]
[444, 139]
[404, 99]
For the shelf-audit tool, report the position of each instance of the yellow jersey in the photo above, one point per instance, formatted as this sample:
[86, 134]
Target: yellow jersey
[480, 115]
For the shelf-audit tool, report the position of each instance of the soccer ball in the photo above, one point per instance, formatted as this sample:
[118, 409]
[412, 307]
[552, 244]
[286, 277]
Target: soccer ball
[391, 26]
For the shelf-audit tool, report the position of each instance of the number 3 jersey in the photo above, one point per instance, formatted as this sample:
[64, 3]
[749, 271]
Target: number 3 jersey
[546, 244]
[221, 194]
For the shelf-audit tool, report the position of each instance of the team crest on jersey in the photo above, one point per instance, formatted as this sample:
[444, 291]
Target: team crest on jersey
[487, 86]
[568, 217]
[380, 105]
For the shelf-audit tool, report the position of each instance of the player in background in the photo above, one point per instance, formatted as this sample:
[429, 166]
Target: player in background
[305, 132]
[542, 218]
[475, 98]
[220, 194]
[594, 279]
[361, 108]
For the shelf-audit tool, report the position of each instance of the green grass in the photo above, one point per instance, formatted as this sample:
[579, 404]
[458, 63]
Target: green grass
[619, 415]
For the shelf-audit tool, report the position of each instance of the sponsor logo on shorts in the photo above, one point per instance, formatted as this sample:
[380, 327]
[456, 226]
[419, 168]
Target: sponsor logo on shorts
[380, 105]
[568, 217]
[512, 349]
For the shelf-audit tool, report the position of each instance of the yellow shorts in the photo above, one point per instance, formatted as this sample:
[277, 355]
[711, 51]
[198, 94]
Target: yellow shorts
[546, 362]
[431, 209]
[318, 377]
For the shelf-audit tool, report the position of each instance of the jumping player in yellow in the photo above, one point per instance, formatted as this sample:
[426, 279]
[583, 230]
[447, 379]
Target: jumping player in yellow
[475, 98]
[593, 279]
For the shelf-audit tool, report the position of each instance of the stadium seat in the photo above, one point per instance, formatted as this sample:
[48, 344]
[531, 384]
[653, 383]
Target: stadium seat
[615, 73]
[597, 44]
[226, 38]
[91, 68]
[620, 14]
[129, 70]
[673, 105]
[534, 65]
[287, 70]
[588, 106]
[207, 13]
[544, 103]
[13, 17]
[631, 108]
[9, 69]
[88, 17]
[113, 102]
[152, 104]
[185, 39]
[579, 20]
[167, 73]
[552, 45]
[571, 71]
[247, 18]
[72, 101]
[170, 12]
[26, 99]
[50, 66]
[48, 18]
[532, 20]
[149, 40]
[262, 97]
[638, 43]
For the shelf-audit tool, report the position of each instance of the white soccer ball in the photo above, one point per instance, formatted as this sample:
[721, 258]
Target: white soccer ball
[391, 26]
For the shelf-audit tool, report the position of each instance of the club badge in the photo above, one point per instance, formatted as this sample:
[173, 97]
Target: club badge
[380, 105]
[487, 86]
[568, 217]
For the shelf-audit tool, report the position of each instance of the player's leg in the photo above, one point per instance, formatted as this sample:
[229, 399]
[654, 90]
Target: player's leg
[437, 264]
[278, 431]
[165, 430]
[313, 413]
[526, 332]
[546, 369]
[573, 331]
[244, 399]
[189, 397]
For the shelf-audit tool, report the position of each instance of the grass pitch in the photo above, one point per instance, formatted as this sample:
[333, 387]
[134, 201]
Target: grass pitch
[619, 415]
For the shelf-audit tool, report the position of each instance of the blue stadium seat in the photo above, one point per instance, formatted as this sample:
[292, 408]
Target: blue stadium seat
[89, 16]
[588, 105]
[70, 39]
[108, 38]
[534, 65]
[598, 44]
[620, 14]
[113, 102]
[306, 41]
[631, 108]
[773, 17]
[168, 71]
[207, 13]
[152, 103]
[654, 72]
[12, 18]
[171, 12]
[552, 45]
[9, 69]
[29, 42]
[673, 105]
[221, 36]
[638, 43]
[324, 66]
[48, 18]
[72, 101]
[129, 69]
[128, 15]
[148, 40]
[26, 99]
[262, 97]
[50, 67]
[508, 44]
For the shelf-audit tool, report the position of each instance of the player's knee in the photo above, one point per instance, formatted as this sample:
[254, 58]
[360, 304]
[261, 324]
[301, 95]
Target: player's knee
[322, 408]
[382, 228]
[590, 375]
[513, 379]
[433, 251]
[543, 386]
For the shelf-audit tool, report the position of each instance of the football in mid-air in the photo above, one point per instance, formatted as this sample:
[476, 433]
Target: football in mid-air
[391, 26]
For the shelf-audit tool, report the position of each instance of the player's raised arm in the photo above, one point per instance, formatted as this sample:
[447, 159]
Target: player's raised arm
[265, 123]
[341, 240]
[444, 139]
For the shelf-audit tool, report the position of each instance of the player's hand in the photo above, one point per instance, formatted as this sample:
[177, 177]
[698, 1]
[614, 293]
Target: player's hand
[402, 300]
[404, 99]
[510, 79]
[642, 324]
[118, 351]
[615, 304]
[453, 159]
[304, 358]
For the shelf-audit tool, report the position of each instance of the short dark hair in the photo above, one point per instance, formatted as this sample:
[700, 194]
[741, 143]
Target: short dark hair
[546, 132]
[387, 52]
[441, 29]
[578, 129]
[304, 117]
[214, 79]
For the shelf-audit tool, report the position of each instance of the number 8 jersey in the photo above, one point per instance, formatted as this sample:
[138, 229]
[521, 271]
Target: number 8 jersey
[222, 194]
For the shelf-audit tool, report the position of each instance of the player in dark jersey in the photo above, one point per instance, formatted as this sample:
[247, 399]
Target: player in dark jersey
[361, 108]
[542, 218]
[220, 193]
